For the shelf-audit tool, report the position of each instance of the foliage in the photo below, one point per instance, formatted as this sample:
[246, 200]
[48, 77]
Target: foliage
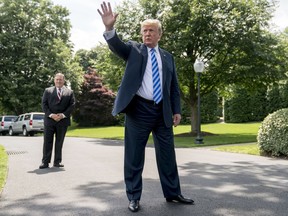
[34, 44]
[245, 106]
[273, 98]
[232, 38]
[273, 134]
[85, 58]
[94, 102]
[242, 105]
[110, 66]
[209, 107]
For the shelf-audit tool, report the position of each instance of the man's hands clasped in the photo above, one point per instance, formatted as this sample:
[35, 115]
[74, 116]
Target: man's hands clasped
[57, 117]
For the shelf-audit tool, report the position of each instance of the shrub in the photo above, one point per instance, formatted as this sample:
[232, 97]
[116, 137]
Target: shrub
[273, 134]
[94, 103]
[243, 106]
[209, 107]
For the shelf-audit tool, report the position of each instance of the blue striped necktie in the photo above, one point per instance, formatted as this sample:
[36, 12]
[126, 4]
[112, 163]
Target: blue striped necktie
[157, 96]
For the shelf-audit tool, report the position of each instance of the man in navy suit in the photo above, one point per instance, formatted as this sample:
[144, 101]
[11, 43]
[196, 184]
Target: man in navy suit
[57, 104]
[143, 112]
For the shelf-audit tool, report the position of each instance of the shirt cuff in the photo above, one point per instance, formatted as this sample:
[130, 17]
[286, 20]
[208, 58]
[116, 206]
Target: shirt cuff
[109, 34]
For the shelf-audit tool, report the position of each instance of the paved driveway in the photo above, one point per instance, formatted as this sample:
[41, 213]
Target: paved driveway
[91, 183]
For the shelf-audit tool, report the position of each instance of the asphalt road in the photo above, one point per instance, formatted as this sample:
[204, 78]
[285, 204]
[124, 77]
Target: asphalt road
[91, 184]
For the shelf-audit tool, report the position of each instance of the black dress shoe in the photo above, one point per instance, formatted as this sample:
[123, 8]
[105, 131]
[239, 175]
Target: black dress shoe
[58, 165]
[134, 205]
[44, 166]
[180, 199]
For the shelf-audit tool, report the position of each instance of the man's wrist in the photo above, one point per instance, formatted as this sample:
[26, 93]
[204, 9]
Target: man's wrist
[109, 34]
[109, 28]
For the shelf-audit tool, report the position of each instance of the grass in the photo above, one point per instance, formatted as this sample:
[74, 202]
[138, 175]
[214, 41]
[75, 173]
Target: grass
[251, 149]
[3, 167]
[214, 134]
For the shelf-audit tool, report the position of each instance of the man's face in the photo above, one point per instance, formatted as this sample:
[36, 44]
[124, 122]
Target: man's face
[150, 35]
[59, 81]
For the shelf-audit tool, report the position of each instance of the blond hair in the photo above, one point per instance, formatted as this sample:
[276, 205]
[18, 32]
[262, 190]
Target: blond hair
[153, 22]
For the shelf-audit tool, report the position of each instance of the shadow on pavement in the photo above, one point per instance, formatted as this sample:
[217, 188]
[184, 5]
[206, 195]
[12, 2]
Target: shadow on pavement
[245, 189]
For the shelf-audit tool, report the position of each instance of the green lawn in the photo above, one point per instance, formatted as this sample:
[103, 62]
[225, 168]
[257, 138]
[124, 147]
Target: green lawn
[3, 167]
[214, 134]
[251, 149]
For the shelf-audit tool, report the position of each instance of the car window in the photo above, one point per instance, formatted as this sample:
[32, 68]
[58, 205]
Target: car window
[38, 117]
[9, 118]
[27, 117]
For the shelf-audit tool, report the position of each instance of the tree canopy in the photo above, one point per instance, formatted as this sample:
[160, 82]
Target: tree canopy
[232, 38]
[34, 45]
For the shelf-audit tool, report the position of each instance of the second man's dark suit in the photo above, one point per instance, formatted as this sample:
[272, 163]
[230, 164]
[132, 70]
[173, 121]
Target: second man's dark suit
[142, 118]
[51, 104]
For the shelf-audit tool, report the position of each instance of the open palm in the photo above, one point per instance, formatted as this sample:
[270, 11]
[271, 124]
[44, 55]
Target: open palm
[107, 15]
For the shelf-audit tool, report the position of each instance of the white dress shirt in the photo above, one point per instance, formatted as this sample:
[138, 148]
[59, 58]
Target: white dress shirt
[146, 89]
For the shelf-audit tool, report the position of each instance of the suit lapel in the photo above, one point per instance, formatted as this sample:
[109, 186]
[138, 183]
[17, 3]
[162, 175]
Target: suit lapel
[144, 53]
[54, 92]
[164, 65]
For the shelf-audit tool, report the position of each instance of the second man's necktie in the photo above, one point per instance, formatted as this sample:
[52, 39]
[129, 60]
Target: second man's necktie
[59, 94]
[157, 95]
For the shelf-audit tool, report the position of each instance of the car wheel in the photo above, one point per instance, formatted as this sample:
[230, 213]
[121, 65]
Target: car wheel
[25, 132]
[10, 132]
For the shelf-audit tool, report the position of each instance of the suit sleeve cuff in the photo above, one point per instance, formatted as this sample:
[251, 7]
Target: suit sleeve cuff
[109, 34]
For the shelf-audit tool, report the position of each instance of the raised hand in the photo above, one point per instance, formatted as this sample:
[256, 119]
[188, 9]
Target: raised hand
[107, 15]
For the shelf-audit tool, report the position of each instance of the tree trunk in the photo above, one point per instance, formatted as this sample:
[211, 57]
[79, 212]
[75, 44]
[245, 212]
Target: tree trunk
[194, 117]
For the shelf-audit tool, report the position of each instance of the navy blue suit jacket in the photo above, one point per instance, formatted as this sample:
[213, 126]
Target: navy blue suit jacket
[136, 57]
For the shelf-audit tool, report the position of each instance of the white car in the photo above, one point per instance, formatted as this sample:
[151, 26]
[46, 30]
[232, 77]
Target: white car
[28, 124]
[5, 122]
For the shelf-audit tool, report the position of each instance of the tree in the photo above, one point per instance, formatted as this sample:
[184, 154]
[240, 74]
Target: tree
[86, 57]
[231, 37]
[94, 103]
[34, 45]
[110, 66]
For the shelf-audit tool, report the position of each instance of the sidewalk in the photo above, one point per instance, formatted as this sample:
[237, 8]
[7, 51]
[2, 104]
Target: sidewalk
[91, 184]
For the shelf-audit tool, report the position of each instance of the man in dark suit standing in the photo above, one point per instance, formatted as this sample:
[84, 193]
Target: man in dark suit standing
[149, 96]
[57, 104]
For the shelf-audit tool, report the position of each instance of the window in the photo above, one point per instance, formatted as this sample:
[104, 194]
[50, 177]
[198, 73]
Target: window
[38, 117]
[9, 118]
[27, 117]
